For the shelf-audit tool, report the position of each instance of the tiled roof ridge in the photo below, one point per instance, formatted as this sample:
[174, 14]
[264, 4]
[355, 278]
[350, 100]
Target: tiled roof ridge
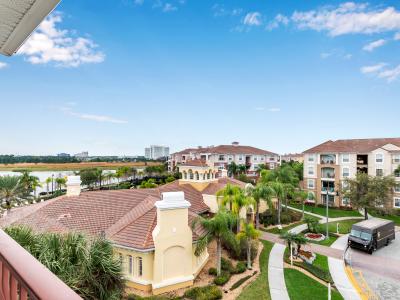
[149, 233]
[215, 148]
[135, 213]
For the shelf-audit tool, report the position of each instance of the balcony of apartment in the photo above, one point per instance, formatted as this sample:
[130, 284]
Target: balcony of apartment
[327, 159]
[23, 277]
[362, 161]
[328, 174]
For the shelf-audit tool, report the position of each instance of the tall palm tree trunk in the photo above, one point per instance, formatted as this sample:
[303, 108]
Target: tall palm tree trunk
[219, 255]
[279, 211]
[365, 213]
[248, 253]
[257, 215]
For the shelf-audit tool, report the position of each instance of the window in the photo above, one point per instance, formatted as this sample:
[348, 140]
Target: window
[345, 201]
[346, 172]
[190, 174]
[396, 158]
[397, 202]
[130, 265]
[311, 158]
[255, 158]
[379, 158]
[183, 157]
[240, 157]
[379, 172]
[345, 158]
[262, 158]
[221, 158]
[230, 157]
[345, 185]
[397, 173]
[397, 189]
[310, 170]
[311, 184]
[310, 196]
[140, 266]
[271, 159]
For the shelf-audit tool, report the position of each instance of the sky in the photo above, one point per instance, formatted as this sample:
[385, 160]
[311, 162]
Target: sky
[114, 76]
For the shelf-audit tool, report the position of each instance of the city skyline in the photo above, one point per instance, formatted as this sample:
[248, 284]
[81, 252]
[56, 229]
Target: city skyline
[277, 76]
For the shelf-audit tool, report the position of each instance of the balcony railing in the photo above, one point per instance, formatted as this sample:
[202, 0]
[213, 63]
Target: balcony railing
[329, 175]
[23, 277]
[328, 189]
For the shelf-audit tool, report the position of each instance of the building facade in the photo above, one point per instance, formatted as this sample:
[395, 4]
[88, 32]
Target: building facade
[327, 166]
[297, 157]
[221, 156]
[156, 152]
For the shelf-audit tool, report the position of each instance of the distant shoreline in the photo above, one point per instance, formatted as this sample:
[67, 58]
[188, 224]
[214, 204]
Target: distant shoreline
[73, 166]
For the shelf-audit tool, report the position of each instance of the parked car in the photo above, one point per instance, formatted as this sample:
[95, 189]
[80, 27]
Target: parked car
[372, 234]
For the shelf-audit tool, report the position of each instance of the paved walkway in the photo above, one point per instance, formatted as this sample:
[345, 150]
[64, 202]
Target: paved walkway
[276, 276]
[338, 272]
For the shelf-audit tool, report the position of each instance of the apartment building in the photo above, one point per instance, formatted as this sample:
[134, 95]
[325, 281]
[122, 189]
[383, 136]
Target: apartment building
[295, 157]
[221, 156]
[329, 164]
[156, 152]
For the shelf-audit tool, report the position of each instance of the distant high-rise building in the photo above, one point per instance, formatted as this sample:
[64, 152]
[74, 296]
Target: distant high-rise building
[156, 152]
[83, 155]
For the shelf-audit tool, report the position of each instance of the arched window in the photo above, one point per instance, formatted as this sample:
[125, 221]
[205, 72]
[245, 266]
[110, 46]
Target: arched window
[190, 174]
[197, 175]
[184, 175]
[204, 176]
[208, 175]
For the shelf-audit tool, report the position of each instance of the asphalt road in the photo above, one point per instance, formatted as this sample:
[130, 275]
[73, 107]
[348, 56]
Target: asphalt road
[381, 270]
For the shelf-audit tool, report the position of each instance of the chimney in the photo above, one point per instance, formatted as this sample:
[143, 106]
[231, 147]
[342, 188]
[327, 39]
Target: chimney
[73, 186]
[172, 200]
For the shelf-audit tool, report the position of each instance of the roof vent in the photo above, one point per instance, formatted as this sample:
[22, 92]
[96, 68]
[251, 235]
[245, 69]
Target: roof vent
[235, 144]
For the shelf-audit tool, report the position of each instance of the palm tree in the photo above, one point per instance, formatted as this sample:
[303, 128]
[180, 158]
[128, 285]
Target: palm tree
[218, 228]
[227, 194]
[279, 193]
[249, 233]
[87, 265]
[293, 238]
[11, 190]
[35, 185]
[260, 192]
[29, 182]
[240, 200]
[232, 169]
[60, 183]
[48, 181]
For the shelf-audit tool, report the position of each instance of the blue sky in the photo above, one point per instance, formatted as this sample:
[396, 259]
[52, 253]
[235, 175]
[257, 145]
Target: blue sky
[112, 77]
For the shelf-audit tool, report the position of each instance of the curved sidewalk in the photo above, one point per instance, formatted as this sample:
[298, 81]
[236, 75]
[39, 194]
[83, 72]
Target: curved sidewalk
[276, 276]
[338, 272]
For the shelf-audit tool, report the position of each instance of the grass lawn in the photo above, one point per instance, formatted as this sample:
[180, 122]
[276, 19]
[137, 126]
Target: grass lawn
[301, 287]
[259, 289]
[326, 242]
[333, 212]
[395, 219]
[344, 226]
[275, 230]
[321, 261]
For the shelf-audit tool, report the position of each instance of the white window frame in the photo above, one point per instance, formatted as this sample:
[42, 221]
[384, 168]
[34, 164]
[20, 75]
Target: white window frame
[343, 202]
[308, 196]
[394, 202]
[396, 158]
[312, 171]
[348, 173]
[396, 189]
[348, 158]
[376, 158]
[376, 172]
[140, 266]
[311, 158]
[240, 157]
[313, 183]
[130, 265]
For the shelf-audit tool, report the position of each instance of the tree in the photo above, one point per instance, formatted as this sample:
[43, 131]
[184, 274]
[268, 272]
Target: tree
[293, 238]
[48, 181]
[261, 192]
[240, 200]
[149, 184]
[249, 233]
[367, 192]
[11, 190]
[217, 228]
[232, 169]
[86, 265]
[61, 182]
[30, 183]
[89, 177]
[303, 196]
[279, 193]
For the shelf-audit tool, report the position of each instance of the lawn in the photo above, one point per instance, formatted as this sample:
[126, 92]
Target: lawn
[333, 212]
[321, 261]
[301, 287]
[259, 289]
[395, 219]
[344, 226]
[276, 230]
[327, 242]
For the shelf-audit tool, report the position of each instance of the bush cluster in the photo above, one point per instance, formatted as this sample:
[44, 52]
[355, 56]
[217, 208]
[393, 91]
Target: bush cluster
[289, 216]
[223, 278]
[227, 271]
[210, 292]
[241, 281]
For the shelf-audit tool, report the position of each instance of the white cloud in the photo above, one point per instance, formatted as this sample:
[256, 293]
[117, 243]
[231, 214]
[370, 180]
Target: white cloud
[349, 18]
[3, 65]
[138, 2]
[326, 55]
[92, 117]
[336, 53]
[372, 68]
[373, 45]
[390, 74]
[277, 21]
[50, 44]
[397, 36]
[252, 19]
[168, 7]
[221, 11]
[274, 109]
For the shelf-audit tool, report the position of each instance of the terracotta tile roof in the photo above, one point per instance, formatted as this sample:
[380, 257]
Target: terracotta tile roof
[196, 163]
[215, 187]
[227, 149]
[126, 217]
[353, 145]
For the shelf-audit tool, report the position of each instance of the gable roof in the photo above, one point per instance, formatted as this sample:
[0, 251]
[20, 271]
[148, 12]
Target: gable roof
[126, 217]
[215, 187]
[353, 145]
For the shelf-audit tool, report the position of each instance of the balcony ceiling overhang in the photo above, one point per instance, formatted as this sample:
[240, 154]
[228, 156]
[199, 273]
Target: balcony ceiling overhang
[18, 19]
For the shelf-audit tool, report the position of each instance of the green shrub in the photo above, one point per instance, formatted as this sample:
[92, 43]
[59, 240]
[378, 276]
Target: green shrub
[312, 224]
[240, 267]
[226, 265]
[315, 270]
[210, 292]
[223, 278]
[212, 271]
[240, 282]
